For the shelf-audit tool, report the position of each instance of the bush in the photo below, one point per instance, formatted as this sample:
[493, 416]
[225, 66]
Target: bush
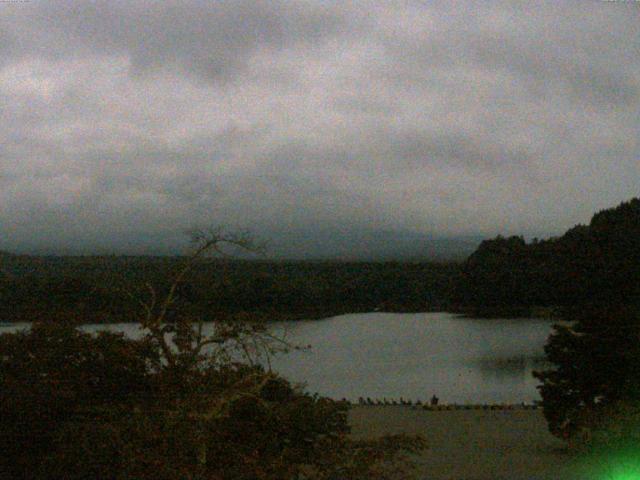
[55, 374]
[78, 406]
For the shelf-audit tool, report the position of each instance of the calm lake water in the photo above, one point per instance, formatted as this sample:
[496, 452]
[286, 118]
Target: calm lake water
[377, 355]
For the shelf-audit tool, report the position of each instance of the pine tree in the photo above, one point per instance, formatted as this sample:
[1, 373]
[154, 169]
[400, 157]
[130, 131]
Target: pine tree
[596, 356]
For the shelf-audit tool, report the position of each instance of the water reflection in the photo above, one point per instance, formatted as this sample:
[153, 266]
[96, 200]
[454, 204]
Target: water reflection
[416, 355]
[510, 367]
[413, 356]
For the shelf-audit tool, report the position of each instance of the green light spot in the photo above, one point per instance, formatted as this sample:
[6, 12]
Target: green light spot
[624, 468]
[625, 472]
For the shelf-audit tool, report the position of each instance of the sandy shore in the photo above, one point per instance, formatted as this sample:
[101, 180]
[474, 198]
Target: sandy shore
[473, 444]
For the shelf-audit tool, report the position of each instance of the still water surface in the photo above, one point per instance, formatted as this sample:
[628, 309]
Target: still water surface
[377, 355]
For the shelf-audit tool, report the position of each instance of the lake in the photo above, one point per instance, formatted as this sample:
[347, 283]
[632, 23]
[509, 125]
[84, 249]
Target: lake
[414, 356]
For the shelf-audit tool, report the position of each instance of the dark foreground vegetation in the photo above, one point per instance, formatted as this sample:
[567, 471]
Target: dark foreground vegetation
[175, 404]
[591, 395]
[75, 406]
[596, 354]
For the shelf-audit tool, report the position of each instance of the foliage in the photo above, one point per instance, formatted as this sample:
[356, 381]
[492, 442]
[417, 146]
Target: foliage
[61, 287]
[76, 406]
[596, 358]
[55, 374]
[597, 262]
[174, 404]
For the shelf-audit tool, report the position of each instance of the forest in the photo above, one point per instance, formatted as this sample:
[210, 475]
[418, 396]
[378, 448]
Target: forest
[504, 277]
[598, 262]
[107, 289]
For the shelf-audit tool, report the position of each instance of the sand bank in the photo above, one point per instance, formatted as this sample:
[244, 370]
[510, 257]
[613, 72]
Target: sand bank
[474, 444]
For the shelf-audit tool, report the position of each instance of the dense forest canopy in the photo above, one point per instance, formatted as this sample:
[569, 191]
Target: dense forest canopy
[103, 289]
[589, 262]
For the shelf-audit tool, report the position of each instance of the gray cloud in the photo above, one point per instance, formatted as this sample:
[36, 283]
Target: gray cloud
[213, 40]
[124, 123]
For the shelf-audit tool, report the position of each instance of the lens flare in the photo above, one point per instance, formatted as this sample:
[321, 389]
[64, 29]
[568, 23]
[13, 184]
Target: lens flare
[626, 471]
[624, 466]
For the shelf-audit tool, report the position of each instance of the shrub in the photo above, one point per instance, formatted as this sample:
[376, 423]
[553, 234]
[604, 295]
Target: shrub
[77, 406]
[55, 374]
[596, 358]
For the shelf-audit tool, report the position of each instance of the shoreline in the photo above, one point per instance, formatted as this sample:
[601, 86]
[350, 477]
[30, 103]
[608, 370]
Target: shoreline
[274, 316]
[446, 407]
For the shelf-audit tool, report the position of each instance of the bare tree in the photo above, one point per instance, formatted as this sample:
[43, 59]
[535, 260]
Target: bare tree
[183, 340]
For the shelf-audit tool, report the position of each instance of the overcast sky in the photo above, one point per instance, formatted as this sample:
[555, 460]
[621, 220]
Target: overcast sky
[124, 122]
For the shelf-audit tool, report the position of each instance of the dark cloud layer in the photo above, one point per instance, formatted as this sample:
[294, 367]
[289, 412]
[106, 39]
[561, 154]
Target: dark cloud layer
[125, 122]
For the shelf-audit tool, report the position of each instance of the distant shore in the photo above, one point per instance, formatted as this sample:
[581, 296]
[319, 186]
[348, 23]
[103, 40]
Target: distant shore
[269, 316]
[497, 312]
[89, 317]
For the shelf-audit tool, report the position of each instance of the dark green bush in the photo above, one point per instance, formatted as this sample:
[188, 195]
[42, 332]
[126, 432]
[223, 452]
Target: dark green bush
[596, 364]
[78, 406]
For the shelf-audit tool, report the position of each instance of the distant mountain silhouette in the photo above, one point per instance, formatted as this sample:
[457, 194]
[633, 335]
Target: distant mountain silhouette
[329, 244]
[291, 244]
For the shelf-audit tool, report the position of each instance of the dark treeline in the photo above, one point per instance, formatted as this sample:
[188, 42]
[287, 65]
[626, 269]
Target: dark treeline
[505, 276]
[107, 288]
[599, 262]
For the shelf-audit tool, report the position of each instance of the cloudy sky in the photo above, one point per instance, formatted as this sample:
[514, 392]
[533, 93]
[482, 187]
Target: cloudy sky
[125, 122]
